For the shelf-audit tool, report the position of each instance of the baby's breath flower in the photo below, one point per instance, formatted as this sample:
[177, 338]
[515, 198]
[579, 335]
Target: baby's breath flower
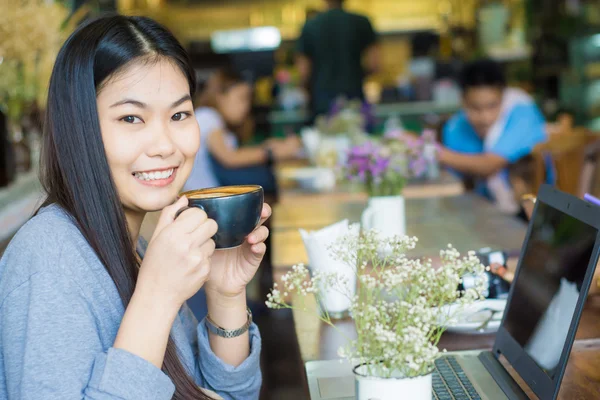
[397, 303]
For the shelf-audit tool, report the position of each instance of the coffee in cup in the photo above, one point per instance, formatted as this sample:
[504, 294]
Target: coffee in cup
[236, 209]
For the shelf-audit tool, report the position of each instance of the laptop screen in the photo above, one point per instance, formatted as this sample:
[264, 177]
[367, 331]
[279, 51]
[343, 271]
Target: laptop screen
[546, 292]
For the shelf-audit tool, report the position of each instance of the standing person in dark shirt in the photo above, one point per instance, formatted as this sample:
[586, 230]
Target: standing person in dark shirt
[335, 51]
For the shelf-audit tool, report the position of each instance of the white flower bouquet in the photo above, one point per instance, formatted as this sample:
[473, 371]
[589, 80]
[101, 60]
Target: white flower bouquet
[398, 306]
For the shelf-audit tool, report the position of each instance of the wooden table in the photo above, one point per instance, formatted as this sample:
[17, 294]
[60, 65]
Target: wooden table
[318, 341]
[467, 221]
[446, 185]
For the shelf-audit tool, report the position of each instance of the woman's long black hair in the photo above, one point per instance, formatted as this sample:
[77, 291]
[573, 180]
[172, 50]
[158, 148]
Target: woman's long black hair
[75, 172]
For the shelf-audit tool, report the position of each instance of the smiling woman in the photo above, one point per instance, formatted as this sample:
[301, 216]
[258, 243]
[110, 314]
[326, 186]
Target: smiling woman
[149, 133]
[88, 309]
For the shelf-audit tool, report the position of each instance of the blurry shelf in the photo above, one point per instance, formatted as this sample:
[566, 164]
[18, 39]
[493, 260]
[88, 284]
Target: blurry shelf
[381, 111]
[506, 54]
[594, 125]
[592, 70]
[545, 71]
[593, 113]
[415, 108]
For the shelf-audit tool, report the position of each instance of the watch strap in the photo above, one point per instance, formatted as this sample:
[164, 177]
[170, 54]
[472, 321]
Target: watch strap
[225, 333]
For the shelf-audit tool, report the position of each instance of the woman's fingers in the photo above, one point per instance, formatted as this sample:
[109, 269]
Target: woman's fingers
[265, 213]
[189, 220]
[203, 232]
[208, 248]
[259, 235]
[201, 273]
[167, 215]
[259, 249]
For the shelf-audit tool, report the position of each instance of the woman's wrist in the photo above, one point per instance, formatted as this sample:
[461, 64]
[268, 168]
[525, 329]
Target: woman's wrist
[145, 327]
[165, 305]
[227, 311]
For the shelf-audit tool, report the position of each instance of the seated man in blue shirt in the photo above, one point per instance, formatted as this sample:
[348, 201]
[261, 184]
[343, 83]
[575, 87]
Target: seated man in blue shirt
[497, 126]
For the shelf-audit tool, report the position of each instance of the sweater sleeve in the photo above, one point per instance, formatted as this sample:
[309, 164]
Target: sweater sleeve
[52, 350]
[232, 383]
[240, 383]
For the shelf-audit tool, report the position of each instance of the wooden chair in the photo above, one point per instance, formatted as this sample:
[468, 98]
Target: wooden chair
[568, 152]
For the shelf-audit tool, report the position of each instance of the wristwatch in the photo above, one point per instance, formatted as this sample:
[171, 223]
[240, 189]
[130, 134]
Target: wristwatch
[228, 334]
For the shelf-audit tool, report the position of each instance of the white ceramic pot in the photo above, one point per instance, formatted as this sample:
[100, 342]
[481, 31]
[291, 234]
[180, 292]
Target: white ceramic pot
[385, 214]
[370, 387]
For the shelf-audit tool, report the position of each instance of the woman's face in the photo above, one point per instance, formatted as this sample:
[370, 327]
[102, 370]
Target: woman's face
[149, 132]
[234, 104]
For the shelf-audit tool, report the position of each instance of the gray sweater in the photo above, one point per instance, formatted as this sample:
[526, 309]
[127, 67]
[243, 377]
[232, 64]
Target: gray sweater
[59, 316]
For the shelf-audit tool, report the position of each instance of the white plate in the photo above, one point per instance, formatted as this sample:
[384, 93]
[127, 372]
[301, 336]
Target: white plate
[473, 316]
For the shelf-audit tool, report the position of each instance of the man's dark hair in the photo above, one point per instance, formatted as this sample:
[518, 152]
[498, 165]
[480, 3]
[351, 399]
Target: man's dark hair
[482, 73]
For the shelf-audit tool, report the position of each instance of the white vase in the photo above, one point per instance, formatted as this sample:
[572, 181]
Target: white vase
[386, 214]
[370, 387]
[336, 301]
[310, 140]
[342, 145]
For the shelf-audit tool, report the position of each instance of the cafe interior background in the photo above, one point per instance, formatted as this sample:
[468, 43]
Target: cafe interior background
[549, 48]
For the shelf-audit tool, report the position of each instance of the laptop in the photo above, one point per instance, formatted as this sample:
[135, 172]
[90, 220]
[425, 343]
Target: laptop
[544, 306]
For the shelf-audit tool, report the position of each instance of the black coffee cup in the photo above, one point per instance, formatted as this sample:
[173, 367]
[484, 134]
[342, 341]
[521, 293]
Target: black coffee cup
[236, 209]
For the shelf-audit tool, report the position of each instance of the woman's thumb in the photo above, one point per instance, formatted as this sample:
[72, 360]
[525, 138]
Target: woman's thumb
[167, 216]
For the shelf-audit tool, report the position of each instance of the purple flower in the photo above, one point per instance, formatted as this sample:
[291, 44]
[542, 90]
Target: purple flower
[366, 110]
[411, 142]
[428, 135]
[379, 166]
[384, 165]
[395, 134]
[418, 166]
[336, 107]
[365, 149]
[362, 176]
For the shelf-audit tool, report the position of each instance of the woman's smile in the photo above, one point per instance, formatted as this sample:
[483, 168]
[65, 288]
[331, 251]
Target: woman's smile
[156, 177]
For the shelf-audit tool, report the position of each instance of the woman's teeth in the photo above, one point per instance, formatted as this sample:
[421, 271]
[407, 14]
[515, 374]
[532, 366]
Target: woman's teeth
[153, 176]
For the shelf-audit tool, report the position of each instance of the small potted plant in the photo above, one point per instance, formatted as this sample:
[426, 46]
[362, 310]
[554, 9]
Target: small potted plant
[345, 124]
[382, 169]
[398, 309]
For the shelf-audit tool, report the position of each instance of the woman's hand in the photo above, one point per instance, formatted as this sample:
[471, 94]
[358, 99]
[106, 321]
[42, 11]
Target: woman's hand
[284, 149]
[178, 259]
[232, 269]
[176, 265]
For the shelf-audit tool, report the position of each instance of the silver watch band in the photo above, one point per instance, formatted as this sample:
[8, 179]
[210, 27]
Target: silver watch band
[228, 334]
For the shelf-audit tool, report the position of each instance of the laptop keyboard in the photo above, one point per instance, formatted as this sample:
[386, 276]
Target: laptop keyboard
[450, 381]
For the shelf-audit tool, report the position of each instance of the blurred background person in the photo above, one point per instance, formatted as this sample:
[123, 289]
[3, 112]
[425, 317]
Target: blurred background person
[497, 126]
[335, 51]
[222, 112]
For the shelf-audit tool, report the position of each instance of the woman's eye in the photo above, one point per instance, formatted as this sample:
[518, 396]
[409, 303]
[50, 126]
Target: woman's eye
[180, 116]
[130, 119]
